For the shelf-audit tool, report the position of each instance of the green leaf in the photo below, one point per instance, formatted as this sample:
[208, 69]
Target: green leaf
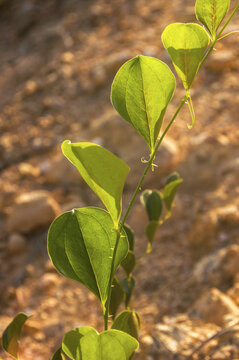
[11, 335]
[81, 244]
[128, 285]
[211, 13]
[152, 201]
[141, 92]
[150, 232]
[170, 191]
[117, 296]
[130, 236]
[129, 322]
[186, 45]
[58, 355]
[172, 177]
[85, 343]
[129, 262]
[104, 172]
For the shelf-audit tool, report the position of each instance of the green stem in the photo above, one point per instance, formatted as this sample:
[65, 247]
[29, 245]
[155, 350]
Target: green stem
[218, 36]
[150, 162]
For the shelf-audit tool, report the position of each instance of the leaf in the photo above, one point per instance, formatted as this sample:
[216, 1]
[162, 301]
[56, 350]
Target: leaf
[117, 296]
[11, 335]
[128, 285]
[141, 92]
[85, 343]
[150, 231]
[129, 262]
[186, 45]
[169, 192]
[211, 13]
[58, 355]
[152, 201]
[130, 236]
[104, 172]
[129, 322]
[80, 245]
[172, 177]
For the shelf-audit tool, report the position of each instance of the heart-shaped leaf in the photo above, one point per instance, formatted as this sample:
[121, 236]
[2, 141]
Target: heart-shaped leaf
[170, 191]
[85, 343]
[104, 172]
[117, 296]
[141, 92]
[211, 13]
[152, 201]
[129, 322]
[81, 244]
[11, 335]
[186, 45]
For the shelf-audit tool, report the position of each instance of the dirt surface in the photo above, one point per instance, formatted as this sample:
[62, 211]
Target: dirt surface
[58, 59]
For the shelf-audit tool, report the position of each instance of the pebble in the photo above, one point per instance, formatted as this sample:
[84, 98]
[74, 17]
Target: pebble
[32, 210]
[16, 243]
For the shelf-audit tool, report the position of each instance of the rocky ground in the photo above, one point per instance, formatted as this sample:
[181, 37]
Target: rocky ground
[58, 59]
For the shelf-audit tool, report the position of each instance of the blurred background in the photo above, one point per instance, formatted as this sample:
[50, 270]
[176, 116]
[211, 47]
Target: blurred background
[58, 59]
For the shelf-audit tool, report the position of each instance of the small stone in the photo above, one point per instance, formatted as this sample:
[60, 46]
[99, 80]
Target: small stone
[221, 61]
[16, 243]
[48, 281]
[213, 306]
[31, 87]
[32, 210]
[228, 215]
[26, 169]
[67, 57]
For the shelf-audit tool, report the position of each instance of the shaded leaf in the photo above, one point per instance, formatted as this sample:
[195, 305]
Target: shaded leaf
[186, 45]
[85, 343]
[211, 13]
[129, 262]
[150, 232]
[152, 201]
[81, 244]
[128, 285]
[11, 335]
[141, 92]
[58, 355]
[129, 322]
[104, 172]
[130, 236]
[169, 192]
[172, 177]
[117, 296]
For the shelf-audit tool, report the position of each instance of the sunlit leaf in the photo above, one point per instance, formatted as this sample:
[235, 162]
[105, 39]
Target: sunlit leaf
[11, 335]
[211, 13]
[141, 92]
[117, 296]
[104, 172]
[81, 244]
[128, 285]
[186, 45]
[152, 201]
[129, 262]
[129, 322]
[85, 343]
[150, 232]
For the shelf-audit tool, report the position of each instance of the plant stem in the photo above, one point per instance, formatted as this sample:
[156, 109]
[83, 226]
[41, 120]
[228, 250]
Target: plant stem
[151, 160]
[218, 36]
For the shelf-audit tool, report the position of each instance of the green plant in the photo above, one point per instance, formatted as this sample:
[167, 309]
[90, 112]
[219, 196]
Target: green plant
[89, 244]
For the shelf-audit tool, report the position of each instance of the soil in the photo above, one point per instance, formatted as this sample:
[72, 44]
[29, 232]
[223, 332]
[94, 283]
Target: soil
[58, 60]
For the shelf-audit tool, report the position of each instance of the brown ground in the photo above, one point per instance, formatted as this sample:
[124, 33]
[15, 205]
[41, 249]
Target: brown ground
[57, 63]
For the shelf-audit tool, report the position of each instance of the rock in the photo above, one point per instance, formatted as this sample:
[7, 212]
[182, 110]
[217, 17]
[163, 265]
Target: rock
[176, 337]
[228, 215]
[213, 306]
[202, 235]
[16, 243]
[221, 61]
[32, 210]
[48, 281]
[217, 268]
[26, 170]
[60, 171]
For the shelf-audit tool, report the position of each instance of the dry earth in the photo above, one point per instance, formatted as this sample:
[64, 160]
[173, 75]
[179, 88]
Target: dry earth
[58, 59]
